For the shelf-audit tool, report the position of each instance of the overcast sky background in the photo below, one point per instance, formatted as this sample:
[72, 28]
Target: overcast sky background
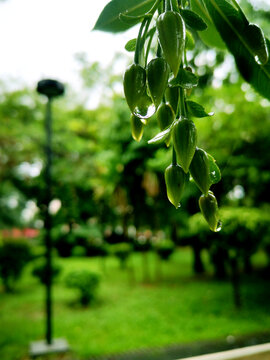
[39, 38]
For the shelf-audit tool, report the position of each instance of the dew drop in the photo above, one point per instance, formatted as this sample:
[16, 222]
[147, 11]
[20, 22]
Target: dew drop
[257, 59]
[145, 111]
[144, 121]
[219, 226]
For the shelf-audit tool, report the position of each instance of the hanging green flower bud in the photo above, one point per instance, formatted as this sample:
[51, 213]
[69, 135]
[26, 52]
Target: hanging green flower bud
[184, 136]
[134, 85]
[199, 169]
[209, 209]
[137, 99]
[172, 97]
[175, 179]
[171, 33]
[157, 72]
[165, 117]
[137, 127]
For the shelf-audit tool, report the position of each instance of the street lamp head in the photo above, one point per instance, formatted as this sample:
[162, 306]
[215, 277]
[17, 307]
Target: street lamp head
[50, 88]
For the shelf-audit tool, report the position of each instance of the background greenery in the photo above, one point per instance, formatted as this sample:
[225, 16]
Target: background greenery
[114, 207]
[130, 313]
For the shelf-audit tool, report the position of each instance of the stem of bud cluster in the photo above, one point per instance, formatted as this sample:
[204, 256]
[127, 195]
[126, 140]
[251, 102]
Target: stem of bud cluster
[138, 42]
[174, 161]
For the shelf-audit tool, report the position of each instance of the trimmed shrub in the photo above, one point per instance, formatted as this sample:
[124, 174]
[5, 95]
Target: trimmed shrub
[96, 248]
[86, 282]
[64, 244]
[78, 251]
[165, 249]
[122, 251]
[14, 255]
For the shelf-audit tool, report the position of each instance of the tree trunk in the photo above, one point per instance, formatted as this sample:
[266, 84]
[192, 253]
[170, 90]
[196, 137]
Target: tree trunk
[145, 265]
[198, 266]
[247, 265]
[158, 268]
[218, 259]
[235, 278]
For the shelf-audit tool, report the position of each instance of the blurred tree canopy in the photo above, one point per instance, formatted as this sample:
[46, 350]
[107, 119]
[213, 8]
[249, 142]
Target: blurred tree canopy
[100, 172]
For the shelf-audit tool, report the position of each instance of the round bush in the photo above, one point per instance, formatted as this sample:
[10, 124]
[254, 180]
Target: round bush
[86, 282]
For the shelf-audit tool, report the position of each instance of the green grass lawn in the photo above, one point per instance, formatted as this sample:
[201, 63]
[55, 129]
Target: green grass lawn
[131, 313]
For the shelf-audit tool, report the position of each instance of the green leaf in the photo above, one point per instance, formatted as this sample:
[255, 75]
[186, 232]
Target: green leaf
[109, 18]
[210, 36]
[130, 20]
[185, 79]
[232, 28]
[256, 40]
[131, 45]
[190, 43]
[215, 174]
[193, 20]
[197, 110]
[160, 137]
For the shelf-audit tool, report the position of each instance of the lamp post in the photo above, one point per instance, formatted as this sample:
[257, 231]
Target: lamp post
[51, 89]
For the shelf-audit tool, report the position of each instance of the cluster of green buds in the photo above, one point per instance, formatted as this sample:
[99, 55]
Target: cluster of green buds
[162, 86]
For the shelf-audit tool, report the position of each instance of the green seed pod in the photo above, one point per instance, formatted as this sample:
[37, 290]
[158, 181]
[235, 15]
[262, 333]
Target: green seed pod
[137, 127]
[157, 72]
[209, 209]
[172, 96]
[171, 33]
[199, 169]
[134, 85]
[184, 136]
[165, 117]
[175, 180]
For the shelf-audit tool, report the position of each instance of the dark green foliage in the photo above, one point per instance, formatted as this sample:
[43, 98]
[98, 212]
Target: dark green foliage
[131, 45]
[109, 18]
[14, 255]
[210, 36]
[186, 79]
[196, 110]
[243, 232]
[64, 244]
[96, 248]
[193, 20]
[86, 282]
[122, 251]
[79, 251]
[165, 249]
[233, 28]
[142, 244]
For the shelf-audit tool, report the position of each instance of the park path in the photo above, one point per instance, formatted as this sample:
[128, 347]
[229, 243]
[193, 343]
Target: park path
[179, 351]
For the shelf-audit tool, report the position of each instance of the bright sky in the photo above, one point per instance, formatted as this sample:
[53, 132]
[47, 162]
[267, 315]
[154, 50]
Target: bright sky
[38, 39]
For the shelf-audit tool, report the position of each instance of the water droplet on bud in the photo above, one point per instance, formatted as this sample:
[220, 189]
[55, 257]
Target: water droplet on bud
[219, 226]
[145, 111]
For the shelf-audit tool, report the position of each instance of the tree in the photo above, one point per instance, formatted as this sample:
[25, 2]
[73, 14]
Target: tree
[220, 24]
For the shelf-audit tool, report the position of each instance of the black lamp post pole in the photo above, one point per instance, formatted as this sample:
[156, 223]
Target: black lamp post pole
[48, 220]
[50, 88]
